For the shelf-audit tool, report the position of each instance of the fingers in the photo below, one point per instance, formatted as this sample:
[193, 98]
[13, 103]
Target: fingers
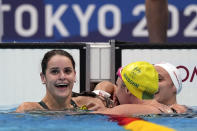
[179, 108]
[163, 108]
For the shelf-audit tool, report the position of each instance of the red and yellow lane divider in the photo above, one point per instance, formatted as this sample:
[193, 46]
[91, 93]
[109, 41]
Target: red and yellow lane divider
[138, 124]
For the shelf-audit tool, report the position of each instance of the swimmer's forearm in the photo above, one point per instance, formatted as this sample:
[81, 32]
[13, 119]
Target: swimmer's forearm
[129, 109]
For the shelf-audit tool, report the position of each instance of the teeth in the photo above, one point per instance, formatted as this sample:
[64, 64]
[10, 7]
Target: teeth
[61, 85]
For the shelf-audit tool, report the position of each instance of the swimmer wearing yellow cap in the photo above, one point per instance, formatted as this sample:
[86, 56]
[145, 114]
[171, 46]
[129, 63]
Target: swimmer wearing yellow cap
[140, 78]
[136, 83]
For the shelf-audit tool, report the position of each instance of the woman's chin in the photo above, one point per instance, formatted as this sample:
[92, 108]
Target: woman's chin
[63, 95]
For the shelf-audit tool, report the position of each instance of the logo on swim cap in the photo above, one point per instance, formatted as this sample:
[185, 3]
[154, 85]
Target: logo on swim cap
[141, 79]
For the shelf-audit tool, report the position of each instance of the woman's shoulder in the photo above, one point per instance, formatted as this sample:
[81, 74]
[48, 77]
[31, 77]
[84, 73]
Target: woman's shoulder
[28, 106]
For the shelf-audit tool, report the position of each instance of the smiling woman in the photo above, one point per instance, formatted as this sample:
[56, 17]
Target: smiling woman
[58, 74]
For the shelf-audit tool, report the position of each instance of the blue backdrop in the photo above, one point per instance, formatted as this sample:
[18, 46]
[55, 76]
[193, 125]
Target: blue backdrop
[91, 21]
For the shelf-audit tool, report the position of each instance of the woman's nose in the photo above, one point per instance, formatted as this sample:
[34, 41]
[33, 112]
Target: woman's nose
[62, 75]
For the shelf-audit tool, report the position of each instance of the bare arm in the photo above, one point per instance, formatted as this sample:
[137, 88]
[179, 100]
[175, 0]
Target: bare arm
[130, 109]
[106, 86]
[157, 20]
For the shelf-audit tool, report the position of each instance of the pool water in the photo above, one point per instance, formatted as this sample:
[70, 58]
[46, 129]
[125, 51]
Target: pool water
[63, 121]
[56, 121]
[179, 122]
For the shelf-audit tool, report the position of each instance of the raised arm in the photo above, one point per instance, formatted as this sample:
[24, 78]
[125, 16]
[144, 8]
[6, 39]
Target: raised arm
[157, 20]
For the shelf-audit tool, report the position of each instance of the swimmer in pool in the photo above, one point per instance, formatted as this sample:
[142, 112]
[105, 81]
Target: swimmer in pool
[167, 89]
[58, 75]
[166, 94]
[137, 82]
[170, 84]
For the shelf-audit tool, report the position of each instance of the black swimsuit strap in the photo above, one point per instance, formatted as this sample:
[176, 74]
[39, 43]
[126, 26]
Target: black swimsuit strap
[43, 105]
[47, 108]
[73, 104]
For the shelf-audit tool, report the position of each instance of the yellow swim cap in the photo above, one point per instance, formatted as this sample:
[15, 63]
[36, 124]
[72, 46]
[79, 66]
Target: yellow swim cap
[141, 79]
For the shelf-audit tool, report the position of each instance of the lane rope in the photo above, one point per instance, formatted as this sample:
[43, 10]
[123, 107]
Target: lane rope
[138, 124]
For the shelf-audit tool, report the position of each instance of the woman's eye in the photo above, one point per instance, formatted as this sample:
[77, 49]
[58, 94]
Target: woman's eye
[54, 71]
[68, 71]
[160, 79]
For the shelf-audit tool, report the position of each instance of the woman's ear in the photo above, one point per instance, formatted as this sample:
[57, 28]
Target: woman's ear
[43, 79]
[75, 77]
[174, 89]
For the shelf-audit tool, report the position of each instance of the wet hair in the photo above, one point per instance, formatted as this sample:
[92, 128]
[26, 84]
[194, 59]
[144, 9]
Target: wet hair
[52, 53]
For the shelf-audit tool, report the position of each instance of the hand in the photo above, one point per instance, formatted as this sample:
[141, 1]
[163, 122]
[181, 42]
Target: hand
[179, 108]
[163, 108]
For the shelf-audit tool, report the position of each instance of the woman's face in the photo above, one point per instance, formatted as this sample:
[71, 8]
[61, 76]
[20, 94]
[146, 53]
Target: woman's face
[121, 92]
[60, 76]
[166, 87]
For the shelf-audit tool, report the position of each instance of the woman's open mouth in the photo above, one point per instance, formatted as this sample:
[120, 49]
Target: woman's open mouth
[61, 85]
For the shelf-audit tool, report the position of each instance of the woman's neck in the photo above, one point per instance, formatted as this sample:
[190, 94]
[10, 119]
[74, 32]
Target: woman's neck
[170, 101]
[57, 103]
